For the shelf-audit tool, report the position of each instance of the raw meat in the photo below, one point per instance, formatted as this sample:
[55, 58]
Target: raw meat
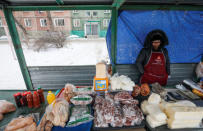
[21, 122]
[124, 95]
[6, 107]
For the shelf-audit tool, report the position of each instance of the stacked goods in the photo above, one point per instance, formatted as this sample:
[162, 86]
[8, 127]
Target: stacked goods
[181, 114]
[83, 90]
[121, 83]
[117, 111]
[56, 114]
[22, 124]
[184, 117]
[6, 107]
[101, 70]
[68, 92]
[81, 100]
[79, 115]
[155, 116]
[101, 81]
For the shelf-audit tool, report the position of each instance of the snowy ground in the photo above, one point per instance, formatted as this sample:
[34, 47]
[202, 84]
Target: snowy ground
[76, 52]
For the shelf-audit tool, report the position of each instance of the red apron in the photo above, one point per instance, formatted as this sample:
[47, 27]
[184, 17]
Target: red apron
[155, 70]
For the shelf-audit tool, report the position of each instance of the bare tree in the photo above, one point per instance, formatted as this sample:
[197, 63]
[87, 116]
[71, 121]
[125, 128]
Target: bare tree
[25, 33]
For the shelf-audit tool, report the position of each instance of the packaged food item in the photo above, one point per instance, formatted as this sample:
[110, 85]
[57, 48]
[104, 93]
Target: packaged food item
[58, 112]
[79, 115]
[132, 115]
[24, 99]
[41, 95]
[118, 117]
[117, 111]
[22, 123]
[83, 90]
[124, 95]
[121, 83]
[6, 107]
[17, 98]
[145, 90]
[36, 99]
[45, 124]
[154, 99]
[154, 123]
[68, 92]
[81, 100]
[30, 99]
[50, 97]
[1, 116]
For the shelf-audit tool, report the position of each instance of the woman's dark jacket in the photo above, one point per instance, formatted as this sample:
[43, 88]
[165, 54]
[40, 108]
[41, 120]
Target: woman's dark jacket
[144, 56]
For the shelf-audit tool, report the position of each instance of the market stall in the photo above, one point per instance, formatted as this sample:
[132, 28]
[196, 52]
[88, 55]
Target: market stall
[113, 101]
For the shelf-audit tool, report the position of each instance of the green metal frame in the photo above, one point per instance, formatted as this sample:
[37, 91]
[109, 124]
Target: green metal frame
[17, 46]
[59, 2]
[117, 5]
[60, 7]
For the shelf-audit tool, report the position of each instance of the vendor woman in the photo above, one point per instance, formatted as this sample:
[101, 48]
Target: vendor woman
[153, 61]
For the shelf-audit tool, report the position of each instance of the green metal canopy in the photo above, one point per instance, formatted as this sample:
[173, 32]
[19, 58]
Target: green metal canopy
[30, 5]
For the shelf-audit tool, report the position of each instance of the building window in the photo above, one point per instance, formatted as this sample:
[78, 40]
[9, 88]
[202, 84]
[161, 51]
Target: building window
[43, 22]
[75, 11]
[94, 13]
[106, 22]
[107, 11]
[1, 23]
[76, 22]
[59, 22]
[27, 22]
[88, 13]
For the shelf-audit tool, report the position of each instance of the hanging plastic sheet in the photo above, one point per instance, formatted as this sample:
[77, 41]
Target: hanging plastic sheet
[183, 28]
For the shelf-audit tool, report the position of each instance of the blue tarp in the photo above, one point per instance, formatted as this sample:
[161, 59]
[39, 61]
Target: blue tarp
[183, 28]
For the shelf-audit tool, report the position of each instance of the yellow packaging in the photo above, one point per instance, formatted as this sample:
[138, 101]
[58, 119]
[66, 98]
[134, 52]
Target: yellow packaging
[101, 84]
[50, 97]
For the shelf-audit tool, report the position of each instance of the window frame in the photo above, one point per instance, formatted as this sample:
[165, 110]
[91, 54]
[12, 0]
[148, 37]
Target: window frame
[27, 19]
[106, 22]
[75, 21]
[57, 25]
[42, 19]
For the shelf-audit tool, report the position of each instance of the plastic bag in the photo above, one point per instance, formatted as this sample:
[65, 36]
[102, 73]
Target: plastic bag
[81, 100]
[83, 90]
[68, 92]
[58, 112]
[79, 115]
[121, 83]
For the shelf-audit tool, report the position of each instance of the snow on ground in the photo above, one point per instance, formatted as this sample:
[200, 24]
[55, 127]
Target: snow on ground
[76, 52]
[10, 74]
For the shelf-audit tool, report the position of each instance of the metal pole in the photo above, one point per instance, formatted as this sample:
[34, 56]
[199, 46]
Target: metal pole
[17, 46]
[114, 38]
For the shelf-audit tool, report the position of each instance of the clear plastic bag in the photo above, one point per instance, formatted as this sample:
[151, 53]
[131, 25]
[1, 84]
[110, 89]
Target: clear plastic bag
[58, 112]
[79, 115]
[83, 90]
[68, 91]
[81, 100]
